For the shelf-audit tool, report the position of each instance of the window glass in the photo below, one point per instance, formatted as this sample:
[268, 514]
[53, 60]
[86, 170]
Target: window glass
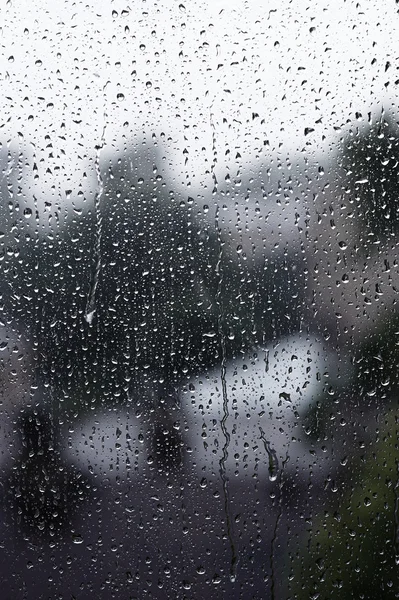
[199, 324]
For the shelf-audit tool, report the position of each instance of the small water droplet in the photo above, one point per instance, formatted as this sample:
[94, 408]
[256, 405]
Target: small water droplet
[77, 539]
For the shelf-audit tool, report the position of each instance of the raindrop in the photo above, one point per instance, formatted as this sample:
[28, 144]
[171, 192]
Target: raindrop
[77, 539]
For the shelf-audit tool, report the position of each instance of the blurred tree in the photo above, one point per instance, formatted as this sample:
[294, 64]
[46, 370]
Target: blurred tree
[377, 362]
[352, 547]
[370, 155]
[42, 491]
[139, 291]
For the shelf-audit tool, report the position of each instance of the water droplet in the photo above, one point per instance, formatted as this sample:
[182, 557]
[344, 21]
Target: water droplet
[77, 539]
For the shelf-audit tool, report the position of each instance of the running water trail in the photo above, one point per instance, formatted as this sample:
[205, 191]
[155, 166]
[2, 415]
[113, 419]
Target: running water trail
[91, 301]
[273, 474]
[223, 423]
[272, 456]
[275, 532]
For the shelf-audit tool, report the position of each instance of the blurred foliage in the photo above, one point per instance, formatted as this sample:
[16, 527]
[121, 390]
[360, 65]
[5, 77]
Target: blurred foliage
[377, 362]
[375, 378]
[370, 155]
[352, 548]
[41, 489]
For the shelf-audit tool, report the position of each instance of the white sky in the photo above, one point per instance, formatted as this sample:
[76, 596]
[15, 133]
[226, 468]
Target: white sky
[169, 67]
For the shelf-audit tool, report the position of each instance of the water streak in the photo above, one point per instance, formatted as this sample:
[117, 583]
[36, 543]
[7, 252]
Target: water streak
[273, 473]
[272, 456]
[91, 302]
[225, 416]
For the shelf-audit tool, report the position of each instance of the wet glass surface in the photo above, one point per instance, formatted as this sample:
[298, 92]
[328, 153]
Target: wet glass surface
[199, 279]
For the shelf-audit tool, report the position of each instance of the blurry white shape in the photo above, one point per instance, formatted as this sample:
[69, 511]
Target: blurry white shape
[109, 445]
[268, 391]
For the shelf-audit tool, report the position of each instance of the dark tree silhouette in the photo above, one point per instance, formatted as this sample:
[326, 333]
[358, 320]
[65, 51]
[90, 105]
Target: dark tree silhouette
[42, 491]
[371, 156]
[140, 291]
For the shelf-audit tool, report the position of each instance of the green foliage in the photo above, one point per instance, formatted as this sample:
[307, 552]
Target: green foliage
[353, 548]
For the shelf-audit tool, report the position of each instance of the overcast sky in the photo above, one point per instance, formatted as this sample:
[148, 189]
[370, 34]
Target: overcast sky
[215, 74]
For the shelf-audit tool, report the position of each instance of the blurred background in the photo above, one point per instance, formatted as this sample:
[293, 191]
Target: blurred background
[199, 278]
